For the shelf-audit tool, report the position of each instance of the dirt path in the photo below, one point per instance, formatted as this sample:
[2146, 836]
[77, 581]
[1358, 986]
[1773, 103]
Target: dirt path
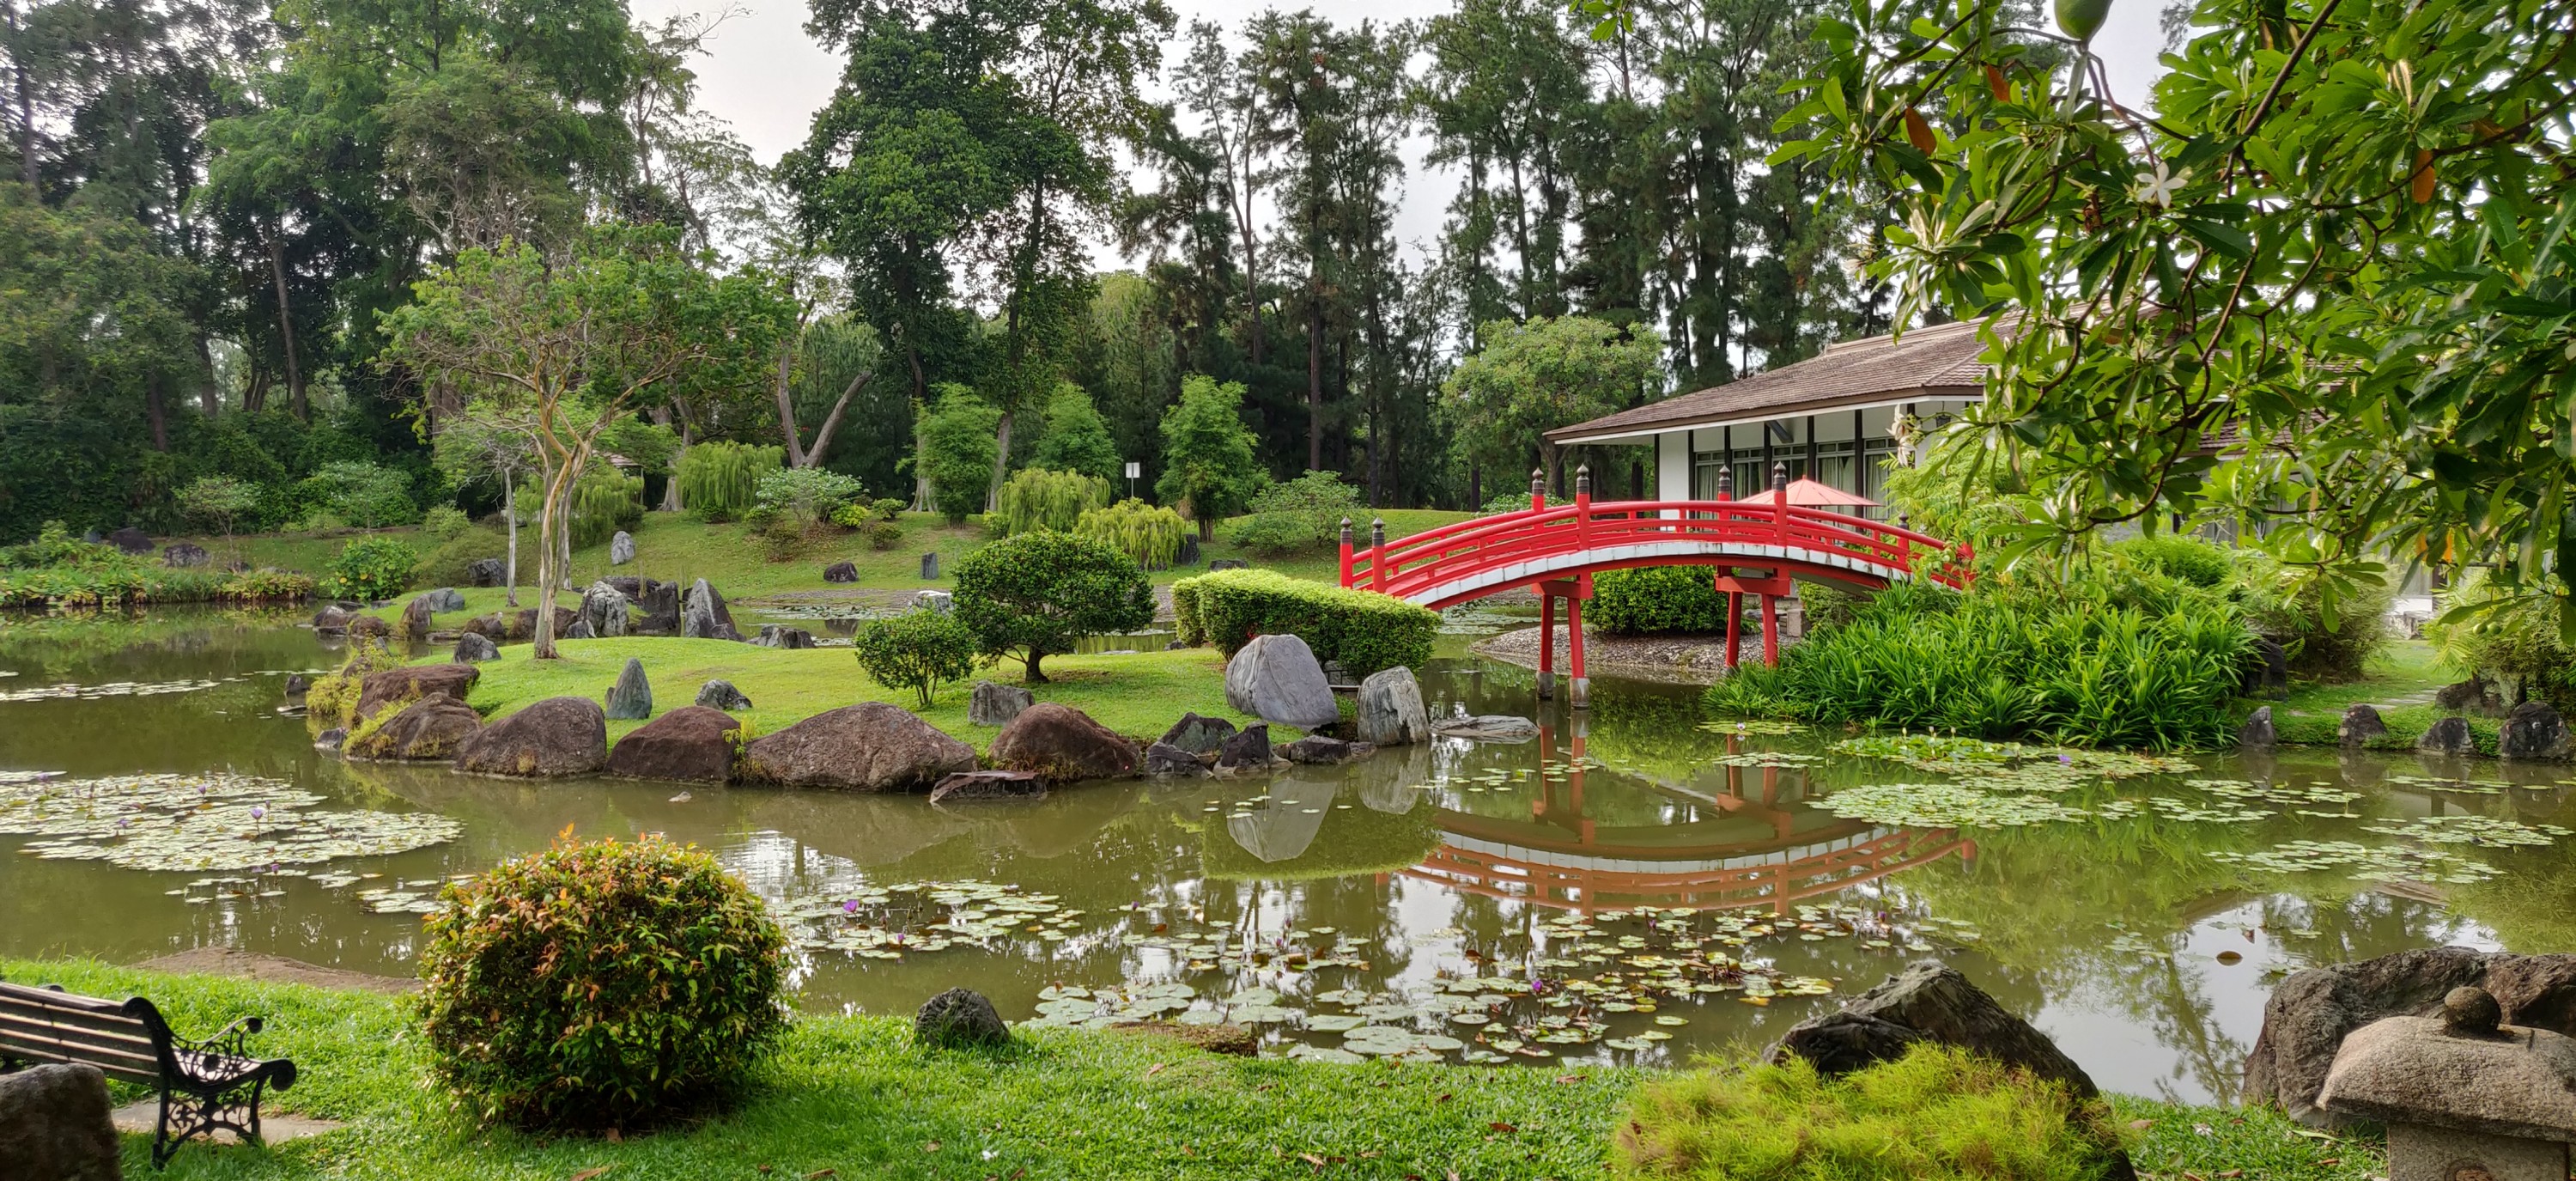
[273, 969]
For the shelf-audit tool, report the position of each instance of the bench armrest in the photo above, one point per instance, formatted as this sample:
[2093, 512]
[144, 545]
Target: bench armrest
[232, 1041]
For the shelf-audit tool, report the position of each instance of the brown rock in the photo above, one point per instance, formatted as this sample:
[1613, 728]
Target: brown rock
[1934, 1002]
[556, 736]
[396, 686]
[691, 744]
[1063, 744]
[871, 746]
[430, 728]
[54, 1124]
[368, 627]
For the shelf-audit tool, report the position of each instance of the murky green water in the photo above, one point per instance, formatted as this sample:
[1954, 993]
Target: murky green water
[1415, 896]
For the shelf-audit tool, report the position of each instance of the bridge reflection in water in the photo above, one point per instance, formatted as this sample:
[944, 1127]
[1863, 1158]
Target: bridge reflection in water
[1758, 843]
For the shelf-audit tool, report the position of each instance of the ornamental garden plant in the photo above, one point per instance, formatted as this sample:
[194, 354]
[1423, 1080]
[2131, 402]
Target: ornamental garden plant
[1364, 630]
[1036, 595]
[920, 650]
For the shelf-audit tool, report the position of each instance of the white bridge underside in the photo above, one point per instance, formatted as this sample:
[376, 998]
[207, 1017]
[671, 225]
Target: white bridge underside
[1537, 569]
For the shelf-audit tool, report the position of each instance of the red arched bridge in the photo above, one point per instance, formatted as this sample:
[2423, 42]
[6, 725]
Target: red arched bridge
[1754, 546]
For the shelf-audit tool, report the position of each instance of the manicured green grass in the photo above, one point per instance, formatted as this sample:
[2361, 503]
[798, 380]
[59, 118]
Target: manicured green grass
[2179, 1141]
[853, 1095]
[1139, 695]
[2404, 669]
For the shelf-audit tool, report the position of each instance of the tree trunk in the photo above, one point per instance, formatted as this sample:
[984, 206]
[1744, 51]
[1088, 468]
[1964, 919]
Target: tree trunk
[510, 516]
[26, 108]
[210, 397]
[1315, 379]
[671, 486]
[548, 566]
[286, 330]
[1035, 676]
[787, 402]
[1001, 462]
[159, 414]
[822, 447]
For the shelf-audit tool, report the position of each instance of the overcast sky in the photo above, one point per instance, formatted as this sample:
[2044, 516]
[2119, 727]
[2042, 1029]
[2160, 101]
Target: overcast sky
[766, 77]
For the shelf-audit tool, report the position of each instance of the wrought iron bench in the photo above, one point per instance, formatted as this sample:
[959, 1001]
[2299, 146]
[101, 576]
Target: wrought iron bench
[204, 1085]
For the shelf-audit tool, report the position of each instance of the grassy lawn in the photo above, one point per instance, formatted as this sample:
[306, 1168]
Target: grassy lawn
[2403, 671]
[1138, 695]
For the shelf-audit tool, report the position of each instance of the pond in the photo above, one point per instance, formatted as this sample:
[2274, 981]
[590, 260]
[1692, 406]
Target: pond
[1636, 885]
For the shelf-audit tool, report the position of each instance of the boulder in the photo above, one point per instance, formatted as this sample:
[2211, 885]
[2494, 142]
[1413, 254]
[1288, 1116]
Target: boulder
[331, 618]
[659, 607]
[631, 698]
[331, 739]
[2532, 731]
[1228, 564]
[433, 727]
[1198, 734]
[2267, 669]
[416, 624]
[1488, 728]
[779, 635]
[871, 746]
[475, 648]
[580, 630]
[959, 1018]
[934, 600]
[1391, 710]
[445, 599]
[2257, 732]
[721, 694]
[1062, 744]
[1931, 1000]
[2451, 737]
[1315, 750]
[1166, 761]
[995, 705]
[131, 540]
[2360, 724]
[967, 787]
[2472, 694]
[1189, 552]
[412, 682]
[703, 615]
[1247, 750]
[841, 572]
[368, 627]
[607, 610]
[621, 548]
[487, 572]
[556, 736]
[55, 1124]
[691, 744]
[2462, 1071]
[297, 684]
[181, 555]
[1277, 679]
[2311, 1012]
[929, 567]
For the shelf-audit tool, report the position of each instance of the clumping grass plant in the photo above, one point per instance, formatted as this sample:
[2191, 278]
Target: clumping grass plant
[1936, 1114]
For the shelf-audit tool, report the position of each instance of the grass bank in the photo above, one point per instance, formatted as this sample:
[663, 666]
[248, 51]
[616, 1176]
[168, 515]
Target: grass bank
[854, 1096]
[2399, 681]
[1139, 695]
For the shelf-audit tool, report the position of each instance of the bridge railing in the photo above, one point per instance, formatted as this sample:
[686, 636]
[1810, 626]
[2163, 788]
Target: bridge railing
[1433, 559]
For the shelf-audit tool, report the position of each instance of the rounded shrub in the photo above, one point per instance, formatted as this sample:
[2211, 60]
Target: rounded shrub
[599, 984]
[371, 568]
[1654, 600]
[1034, 595]
[919, 651]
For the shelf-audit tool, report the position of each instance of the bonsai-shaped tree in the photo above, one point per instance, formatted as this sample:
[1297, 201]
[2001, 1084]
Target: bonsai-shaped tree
[919, 651]
[1039, 593]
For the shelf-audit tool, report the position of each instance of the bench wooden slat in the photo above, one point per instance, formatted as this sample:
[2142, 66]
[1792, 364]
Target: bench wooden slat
[130, 1067]
[130, 1031]
[70, 1041]
[46, 998]
[131, 1043]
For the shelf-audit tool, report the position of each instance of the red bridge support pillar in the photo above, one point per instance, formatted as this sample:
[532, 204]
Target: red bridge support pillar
[1770, 631]
[1734, 625]
[1546, 644]
[1578, 687]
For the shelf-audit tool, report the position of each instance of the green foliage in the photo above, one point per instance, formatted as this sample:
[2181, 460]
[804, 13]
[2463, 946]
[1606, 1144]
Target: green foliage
[645, 445]
[218, 503]
[807, 495]
[603, 501]
[1077, 438]
[452, 562]
[886, 508]
[1656, 600]
[58, 570]
[1038, 594]
[1517, 502]
[332, 699]
[55, 546]
[370, 568]
[1364, 630]
[1036, 498]
[1299, 516]
[444, 522]
[873, 521]
[1151, 534]
[1208, 468]
[2191, 559]
[1937, 1114]
[1531, 377]
[600, 985]
[2064, 664]
[918, 650]
[367, 495]
[720, 479]
[2509, 635]
[955, 452]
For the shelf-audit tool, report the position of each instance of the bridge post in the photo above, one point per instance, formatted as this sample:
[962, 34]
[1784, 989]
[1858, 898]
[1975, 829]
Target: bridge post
[1346, 551]
[1377, 554]
[1779, 510]
[1546, 643]
[1734, 625]
[1770, 631]
[1578, 687]
[1538, 489]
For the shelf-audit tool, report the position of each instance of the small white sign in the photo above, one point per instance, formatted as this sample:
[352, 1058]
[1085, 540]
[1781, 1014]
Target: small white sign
[1134, 469]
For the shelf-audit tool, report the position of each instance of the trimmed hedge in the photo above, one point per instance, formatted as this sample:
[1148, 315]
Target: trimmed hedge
[1364, 630]
[1652, 600]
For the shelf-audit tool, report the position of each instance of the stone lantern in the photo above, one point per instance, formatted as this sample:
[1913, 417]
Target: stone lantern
[2465, 1098]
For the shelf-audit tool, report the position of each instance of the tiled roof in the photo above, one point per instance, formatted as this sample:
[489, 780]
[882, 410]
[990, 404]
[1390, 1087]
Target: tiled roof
[1939, 362]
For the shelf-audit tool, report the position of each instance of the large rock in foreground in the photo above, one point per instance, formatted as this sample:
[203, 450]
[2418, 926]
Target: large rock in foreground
[556, 736]
[691, 744]
[401, 686]
[1928, 1001]
[1391, 710]
[959, 1017]
[2532, 731]
[1062, 744]
[433, 727]
[1277, 679]
[871, 746]
[55, 1125]
[2311, 1012]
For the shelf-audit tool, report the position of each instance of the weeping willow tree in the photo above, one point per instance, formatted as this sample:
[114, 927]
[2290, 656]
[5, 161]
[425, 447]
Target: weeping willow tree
[719, 480]
[602, 503]
[1149, 533]
[1036, 498]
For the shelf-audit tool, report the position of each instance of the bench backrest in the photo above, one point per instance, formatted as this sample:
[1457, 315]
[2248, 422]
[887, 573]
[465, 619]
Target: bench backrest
[123, 1039]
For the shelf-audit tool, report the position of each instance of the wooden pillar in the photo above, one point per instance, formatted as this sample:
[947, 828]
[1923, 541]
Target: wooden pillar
[1734, 623]
[1346, 551]
[1377, 552]
[1546, 644]
[1770, 631]
[1578, 687]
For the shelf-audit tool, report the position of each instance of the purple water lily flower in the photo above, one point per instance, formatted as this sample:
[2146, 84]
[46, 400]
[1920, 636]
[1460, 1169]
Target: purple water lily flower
[850, 907]
[2067, 759]
[257, 812]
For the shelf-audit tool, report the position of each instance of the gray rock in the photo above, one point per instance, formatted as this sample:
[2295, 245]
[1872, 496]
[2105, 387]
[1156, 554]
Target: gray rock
[703, 615]
[2472, 694]
[1317, 750]
[415, 618]
[556, 736]
[929, 566]
[2360, 724]
[1228, 564]
[1189, 554]
[1198, 734]
[2310, 1014]
[55, 1125]
[959, 1018]
[621, 548]
[841, 572]
[1934, 1001]
[331, 618]
[1277, 679]
[779, 635]
[2257, 733]
[2267, 669]
[487, 572]
[581, 630]
[1166, 761]
[607, 610]
[990, 704]
[445, 599]
[331, 739]
[183, 555]
[1488, 728]
[475, 648]
[1177, 646]
[1391, 711]
[721, 694]
[2533, 731]
[934, 600]
[631, 698]
[297, 684]
[2461, 1071]
[967, 787]
[1063, 745]
[2451, 736]
[871, 746]
[131, 540]
[1247, 750]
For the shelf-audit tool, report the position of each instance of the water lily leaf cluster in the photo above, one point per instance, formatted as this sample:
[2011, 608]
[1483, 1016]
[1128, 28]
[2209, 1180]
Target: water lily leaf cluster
[203, 823]
[68, 691]
[889, 922]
